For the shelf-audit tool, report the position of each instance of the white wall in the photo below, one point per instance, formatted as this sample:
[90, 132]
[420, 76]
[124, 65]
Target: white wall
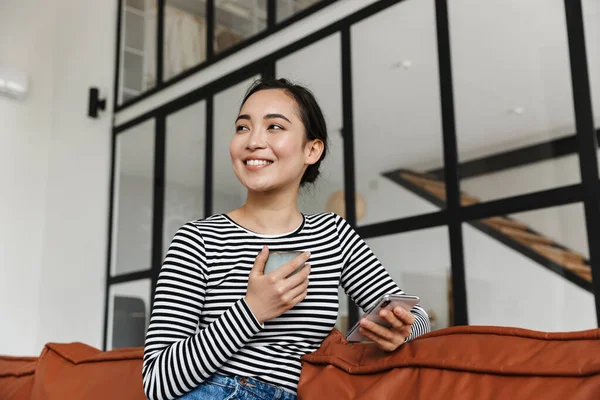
[74, 257]
[25, 134]
[55, 162]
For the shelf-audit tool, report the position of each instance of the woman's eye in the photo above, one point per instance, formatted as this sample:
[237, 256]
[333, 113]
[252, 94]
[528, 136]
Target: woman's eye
[275, 127]
[241, 128]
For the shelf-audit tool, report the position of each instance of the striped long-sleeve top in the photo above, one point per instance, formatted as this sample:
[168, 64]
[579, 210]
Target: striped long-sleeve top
[201, 324]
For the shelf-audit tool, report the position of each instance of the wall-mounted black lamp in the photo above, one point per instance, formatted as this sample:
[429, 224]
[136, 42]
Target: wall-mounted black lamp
[95, 103]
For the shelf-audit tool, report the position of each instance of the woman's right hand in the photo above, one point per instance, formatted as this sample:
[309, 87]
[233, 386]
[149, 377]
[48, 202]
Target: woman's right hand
[271, 295]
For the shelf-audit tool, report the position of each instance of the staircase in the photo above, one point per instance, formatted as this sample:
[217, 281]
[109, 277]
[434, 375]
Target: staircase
[516, 235]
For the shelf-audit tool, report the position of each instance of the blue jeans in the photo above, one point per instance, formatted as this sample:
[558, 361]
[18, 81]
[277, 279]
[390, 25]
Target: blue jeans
[219, 387]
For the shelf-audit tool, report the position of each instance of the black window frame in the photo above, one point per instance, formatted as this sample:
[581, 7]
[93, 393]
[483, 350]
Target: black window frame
[211, 58]
[584, 143]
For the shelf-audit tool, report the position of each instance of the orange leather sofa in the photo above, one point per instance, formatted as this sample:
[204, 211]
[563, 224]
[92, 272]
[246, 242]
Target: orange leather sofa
[73, 371]
[455, 363]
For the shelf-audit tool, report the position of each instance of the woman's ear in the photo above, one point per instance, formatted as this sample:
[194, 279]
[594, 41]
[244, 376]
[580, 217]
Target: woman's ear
[313, 150]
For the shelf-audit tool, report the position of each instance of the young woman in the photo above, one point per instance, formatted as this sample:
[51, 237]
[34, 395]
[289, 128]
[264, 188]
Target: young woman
[220, 327]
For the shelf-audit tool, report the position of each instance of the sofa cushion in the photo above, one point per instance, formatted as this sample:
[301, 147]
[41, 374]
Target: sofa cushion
[458, 363]
[16, 377]
[76, 371]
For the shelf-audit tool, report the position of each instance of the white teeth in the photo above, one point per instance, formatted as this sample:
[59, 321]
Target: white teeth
[257, 162]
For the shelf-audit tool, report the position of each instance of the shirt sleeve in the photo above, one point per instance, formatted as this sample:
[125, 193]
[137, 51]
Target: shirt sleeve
[176, 358]
[365, 280]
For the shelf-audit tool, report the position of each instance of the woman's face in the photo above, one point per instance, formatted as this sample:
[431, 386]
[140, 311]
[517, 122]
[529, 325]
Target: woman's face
[269, 149]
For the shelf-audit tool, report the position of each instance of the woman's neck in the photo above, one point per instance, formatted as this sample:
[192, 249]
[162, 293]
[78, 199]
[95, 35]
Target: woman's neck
[269, 213]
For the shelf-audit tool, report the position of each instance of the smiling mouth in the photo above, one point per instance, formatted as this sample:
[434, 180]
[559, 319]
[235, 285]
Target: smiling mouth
[258, 162]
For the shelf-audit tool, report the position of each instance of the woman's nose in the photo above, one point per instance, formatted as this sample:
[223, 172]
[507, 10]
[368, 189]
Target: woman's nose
[256, 140]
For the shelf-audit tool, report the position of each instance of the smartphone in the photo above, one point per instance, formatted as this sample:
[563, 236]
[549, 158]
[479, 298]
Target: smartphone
[278, 258]
[388, 302]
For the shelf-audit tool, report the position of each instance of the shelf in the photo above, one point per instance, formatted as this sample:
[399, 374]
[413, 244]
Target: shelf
[131, 50]
[131, 91]
[138, 4]
[134, 11]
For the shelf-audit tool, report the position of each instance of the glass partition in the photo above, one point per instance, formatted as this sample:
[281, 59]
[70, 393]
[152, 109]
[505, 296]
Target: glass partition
[530, 270]
[397, 118]
[128, 314]
[591, 23]
[133, 199]
[138, 48]
[237, 20]
[184, 169]
[318, 67]
[287, 8]
[419, 262]
[513, 96]
[184, 44]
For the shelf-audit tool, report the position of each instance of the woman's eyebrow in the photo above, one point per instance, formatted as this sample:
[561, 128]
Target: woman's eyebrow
[268, 116]
[242, 116]
[271, 116]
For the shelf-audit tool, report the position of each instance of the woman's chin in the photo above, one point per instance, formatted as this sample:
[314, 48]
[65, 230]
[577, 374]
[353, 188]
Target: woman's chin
[259, 186]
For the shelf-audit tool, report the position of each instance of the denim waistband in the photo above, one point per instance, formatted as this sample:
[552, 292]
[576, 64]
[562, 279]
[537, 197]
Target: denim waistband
[256, 387]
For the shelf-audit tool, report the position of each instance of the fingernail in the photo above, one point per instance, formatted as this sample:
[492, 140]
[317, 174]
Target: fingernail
[364, 322]
[399, 311]
[384, 313]
[307, 254]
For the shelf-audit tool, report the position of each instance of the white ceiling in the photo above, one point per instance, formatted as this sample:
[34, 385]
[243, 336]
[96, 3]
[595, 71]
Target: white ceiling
[511, 82]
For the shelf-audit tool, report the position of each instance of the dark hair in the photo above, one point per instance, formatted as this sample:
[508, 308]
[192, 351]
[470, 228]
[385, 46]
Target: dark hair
[310, 115]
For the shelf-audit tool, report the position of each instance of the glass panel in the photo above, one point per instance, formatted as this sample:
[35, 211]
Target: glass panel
[185, 35]
[228, 192]
[138, 48]
[287, 8]
[237, 20]
[512, 90]
[318, 67]
[530, 270]
[133, 199]
[397, 121]
[184, 186]
[591, 21]
[128, 314]
[420, 271]
[510, 182]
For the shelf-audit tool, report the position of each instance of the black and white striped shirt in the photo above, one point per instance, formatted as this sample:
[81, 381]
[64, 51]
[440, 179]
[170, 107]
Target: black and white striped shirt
[201, 324]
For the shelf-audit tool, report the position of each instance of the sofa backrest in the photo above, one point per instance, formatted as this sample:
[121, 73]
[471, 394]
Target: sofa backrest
[458, 363]
[78, 371]
[16, 377]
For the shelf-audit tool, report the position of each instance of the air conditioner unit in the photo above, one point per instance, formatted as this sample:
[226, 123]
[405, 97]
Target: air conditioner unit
[13, 83]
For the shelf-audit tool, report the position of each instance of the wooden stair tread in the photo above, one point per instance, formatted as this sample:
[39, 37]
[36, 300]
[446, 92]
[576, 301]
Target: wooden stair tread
[575, 266]
[503, 221]
[437, 188]
[527, 238]
[422, 181]
[569, 260]
[565, 255]
[465, 199]
[578, 267]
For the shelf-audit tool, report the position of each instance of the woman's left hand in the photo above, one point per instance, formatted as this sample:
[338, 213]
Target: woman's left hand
[389, 339]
